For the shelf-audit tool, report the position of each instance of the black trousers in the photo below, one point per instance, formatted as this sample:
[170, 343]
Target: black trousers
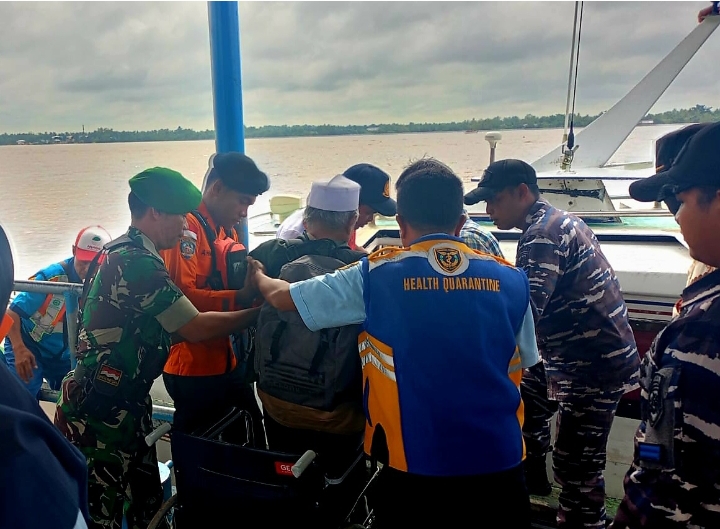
[499, 499]
[200, 402]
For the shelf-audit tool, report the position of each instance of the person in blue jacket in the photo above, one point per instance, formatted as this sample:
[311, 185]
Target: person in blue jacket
[445, 334]
[36, 346]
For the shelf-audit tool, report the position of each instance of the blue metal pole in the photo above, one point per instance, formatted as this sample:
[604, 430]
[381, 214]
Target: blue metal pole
[224, 27]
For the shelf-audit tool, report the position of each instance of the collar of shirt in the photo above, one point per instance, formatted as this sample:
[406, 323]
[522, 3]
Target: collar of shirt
[701, 289]
[138, 236]
[434, 236]
[534, 209]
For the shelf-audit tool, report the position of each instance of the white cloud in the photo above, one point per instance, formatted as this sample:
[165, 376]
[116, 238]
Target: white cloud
[144, 65]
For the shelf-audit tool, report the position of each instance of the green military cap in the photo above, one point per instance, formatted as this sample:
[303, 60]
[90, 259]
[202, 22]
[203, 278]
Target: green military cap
[166, 190]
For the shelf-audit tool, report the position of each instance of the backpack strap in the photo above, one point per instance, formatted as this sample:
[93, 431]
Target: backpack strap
[275, 344]
[322, 350]
[121, 241]
[65, 268]
[209, 233]
[215, 280]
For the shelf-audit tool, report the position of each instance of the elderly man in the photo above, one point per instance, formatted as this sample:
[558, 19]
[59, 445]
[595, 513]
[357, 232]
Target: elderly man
[675, 475]
[36, 346]
[374, 198]
[585, 341]
[294, 420]
[445, 334]
[130, 311]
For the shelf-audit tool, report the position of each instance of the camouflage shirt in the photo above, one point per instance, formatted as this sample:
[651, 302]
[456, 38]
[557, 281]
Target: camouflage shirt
[584, 337]
[680, 381]
[131, 309]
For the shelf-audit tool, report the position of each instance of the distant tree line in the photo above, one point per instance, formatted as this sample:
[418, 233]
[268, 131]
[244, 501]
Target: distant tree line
[696, 114]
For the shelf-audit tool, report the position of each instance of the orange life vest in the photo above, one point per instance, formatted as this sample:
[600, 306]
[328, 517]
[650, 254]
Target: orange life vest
[198, 266]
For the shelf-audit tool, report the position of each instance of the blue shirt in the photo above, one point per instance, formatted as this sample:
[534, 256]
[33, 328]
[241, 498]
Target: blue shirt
[336, 299]
[51, 346]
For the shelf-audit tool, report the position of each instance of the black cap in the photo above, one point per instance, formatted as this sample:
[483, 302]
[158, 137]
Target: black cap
[500, 175]
[666, 150]
[697, 164]
[374, 188]
[239, 173]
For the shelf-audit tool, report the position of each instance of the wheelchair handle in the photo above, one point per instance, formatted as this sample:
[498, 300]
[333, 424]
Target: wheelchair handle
[157, 433]
[301, 464]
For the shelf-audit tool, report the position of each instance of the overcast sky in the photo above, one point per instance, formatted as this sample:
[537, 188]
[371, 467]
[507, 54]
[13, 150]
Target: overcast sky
[146, 65]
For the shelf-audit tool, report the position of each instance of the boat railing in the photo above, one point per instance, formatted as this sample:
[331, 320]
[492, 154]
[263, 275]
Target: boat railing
[71, 292]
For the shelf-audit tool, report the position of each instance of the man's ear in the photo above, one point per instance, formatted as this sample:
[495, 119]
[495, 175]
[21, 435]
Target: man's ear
[350, 227]
[460, 223]
[402, 224]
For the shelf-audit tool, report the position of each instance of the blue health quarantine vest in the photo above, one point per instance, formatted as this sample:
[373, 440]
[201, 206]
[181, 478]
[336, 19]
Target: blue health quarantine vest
[438, 347]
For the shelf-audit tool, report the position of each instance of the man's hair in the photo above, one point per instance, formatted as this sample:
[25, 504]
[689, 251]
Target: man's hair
[535, 190]
[138, 208]
[706, 194]
[331, 220]
[430, 196]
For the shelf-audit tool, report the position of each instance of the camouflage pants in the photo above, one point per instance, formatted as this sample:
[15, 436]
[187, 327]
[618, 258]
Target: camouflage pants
[662, 499]
[132, 477]
[116, 475]
[580, 452]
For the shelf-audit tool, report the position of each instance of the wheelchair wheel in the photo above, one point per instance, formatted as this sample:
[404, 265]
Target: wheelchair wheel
[164, 514]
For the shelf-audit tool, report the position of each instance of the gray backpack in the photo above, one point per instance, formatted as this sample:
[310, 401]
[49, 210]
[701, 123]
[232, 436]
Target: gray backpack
[318, 369]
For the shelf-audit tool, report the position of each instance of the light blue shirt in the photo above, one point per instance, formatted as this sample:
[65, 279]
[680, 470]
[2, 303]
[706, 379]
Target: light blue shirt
[336, 299]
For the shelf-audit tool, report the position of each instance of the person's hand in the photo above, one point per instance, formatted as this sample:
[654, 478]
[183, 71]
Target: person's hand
[255, 268]
[704, 12]
[24, 362]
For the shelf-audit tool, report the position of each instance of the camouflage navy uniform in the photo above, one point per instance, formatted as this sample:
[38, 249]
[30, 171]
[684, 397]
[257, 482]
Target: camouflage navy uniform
[589, 357]
[674, 480]
[104, 408]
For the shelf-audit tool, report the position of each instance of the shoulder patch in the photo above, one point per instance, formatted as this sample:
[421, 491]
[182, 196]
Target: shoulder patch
[187, 247]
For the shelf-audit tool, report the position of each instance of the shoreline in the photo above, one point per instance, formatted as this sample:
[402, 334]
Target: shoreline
[309, 135]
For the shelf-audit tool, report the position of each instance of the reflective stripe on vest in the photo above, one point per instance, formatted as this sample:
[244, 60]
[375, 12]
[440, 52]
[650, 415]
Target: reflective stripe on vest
[48, 319]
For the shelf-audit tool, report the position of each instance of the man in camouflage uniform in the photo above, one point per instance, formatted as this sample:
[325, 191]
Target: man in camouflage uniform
[674, 480]
[586, 343]
[129, 311]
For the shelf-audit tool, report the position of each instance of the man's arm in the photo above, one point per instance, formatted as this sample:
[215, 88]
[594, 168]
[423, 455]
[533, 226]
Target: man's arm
[24, 359]
[183, 271]
[543, 262]
[527, 341]
[276, 292]
[209, 325]
[330, 300]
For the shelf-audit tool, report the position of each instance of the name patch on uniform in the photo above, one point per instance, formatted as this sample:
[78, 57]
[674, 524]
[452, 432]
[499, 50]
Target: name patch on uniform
[109, 375]
[447, 260]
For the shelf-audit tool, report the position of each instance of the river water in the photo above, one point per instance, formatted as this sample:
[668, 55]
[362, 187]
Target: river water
[52, 191]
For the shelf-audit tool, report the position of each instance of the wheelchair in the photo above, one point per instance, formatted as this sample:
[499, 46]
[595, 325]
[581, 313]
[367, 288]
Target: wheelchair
[218, 483]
